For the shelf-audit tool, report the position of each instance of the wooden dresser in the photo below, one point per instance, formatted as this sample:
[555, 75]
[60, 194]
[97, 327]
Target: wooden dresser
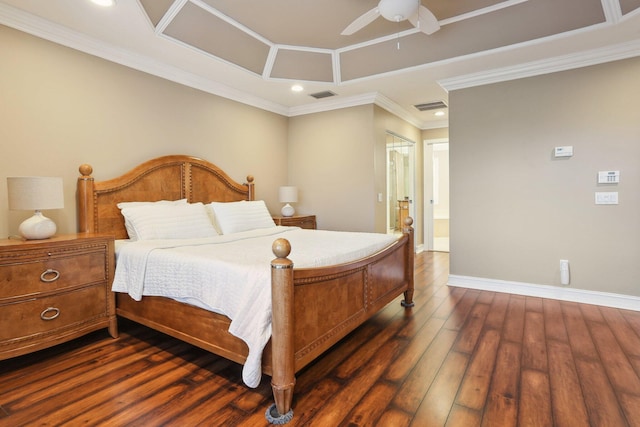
[54, 290]
[302, 221]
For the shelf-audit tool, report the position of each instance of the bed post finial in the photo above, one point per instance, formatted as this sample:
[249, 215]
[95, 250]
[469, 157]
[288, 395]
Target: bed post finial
[282, 323]
[85, 170]
[85, 199]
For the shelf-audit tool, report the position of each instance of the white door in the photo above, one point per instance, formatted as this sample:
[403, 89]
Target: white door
[436, 187]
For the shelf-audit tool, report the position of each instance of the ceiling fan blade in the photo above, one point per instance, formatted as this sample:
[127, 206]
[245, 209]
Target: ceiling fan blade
[361, 22]
[425, 21]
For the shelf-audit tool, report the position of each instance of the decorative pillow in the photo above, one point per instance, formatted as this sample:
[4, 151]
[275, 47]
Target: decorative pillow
[233, 217]
[169, 221]
[127, 224]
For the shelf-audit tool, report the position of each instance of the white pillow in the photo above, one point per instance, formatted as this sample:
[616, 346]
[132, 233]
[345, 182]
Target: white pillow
[127, 224]
[123, 205]
[169, 221]
[233, 217]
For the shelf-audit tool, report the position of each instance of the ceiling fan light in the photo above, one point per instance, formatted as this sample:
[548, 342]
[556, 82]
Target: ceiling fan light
[397, 10]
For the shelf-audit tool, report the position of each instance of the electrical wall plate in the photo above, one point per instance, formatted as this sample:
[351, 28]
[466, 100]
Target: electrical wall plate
[608, 177]
[566, 151]
[607, 198]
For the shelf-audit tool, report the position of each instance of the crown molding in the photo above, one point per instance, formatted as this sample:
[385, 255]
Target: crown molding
[547, 66]
[354, 101]
[332, 104]
[44, 29]
[389, 105]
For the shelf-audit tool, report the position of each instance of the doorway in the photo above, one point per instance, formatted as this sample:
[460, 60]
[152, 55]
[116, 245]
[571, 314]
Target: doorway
[436, 185]
[400, 181]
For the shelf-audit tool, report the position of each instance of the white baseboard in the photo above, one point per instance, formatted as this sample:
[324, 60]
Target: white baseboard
[627, 302]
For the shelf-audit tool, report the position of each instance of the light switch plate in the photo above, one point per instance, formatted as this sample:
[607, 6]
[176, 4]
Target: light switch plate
[607, 198]
[566, 151]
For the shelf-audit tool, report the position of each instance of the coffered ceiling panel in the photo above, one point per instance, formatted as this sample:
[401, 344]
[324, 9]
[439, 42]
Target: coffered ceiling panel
[217, 37]
[449, 9]
[303, 65]
[156, 9]
[628, 6]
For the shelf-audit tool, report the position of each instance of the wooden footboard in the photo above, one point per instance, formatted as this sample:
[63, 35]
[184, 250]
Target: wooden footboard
[315, 308]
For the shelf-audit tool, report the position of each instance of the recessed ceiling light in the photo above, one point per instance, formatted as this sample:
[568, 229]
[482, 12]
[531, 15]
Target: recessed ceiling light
[104, 3]
[297, 88]
[439, 113]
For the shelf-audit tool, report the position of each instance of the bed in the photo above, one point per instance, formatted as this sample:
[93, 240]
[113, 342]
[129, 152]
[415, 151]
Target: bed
[301, 327]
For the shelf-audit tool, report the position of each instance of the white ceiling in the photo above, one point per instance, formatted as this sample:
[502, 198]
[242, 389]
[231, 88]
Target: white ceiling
[252, 51]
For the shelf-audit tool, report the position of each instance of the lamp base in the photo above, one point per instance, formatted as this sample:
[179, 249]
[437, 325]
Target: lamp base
[37, 227]
[287, 210]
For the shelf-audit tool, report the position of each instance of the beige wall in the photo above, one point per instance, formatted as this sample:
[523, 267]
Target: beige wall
[338, 161]
[61, 108]
[439, 133]
[331, 163]
[516, 210]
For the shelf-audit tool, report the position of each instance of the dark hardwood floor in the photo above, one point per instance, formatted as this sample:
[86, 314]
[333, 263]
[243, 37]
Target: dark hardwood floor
[458, 358]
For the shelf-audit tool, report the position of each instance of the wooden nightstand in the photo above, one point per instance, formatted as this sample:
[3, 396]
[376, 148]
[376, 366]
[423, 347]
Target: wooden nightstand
[302, 221]
[54, 290]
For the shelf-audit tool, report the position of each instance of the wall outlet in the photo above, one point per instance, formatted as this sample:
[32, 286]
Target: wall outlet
[564, 272]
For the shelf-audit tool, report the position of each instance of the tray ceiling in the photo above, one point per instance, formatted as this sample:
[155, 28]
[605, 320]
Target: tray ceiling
[302, 41]
[280, 41]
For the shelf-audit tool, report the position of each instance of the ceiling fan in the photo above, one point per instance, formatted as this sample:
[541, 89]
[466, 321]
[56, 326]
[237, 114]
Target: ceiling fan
[397, 11]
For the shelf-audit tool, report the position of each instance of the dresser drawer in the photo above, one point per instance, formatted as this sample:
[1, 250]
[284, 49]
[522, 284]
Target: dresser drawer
[55, 273]
[41, 315]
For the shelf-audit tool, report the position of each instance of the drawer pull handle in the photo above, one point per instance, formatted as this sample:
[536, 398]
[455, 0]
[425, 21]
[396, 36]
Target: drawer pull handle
[50, 313]
[50, 275]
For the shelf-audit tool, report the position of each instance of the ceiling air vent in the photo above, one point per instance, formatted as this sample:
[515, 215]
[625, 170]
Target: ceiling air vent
[325, 94]
[436, 105]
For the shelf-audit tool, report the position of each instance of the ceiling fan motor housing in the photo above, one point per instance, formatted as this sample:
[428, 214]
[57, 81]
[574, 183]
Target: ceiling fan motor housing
[397, 10]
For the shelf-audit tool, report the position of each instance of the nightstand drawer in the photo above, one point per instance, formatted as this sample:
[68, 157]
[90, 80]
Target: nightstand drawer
[307, 222]
[302, 221]
[41, 315]
[48, 275]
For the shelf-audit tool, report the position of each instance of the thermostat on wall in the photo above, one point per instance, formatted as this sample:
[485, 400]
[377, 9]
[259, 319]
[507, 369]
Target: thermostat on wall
[566, 151]
[608, 177]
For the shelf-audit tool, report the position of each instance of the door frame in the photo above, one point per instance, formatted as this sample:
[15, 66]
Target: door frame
[412, 175]
[428, 190]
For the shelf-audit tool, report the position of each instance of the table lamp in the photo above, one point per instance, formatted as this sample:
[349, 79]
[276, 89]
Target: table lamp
[35, 193]
[288, 195]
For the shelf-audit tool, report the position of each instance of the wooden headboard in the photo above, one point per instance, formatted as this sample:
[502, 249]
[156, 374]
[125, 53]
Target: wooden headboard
[164, 178]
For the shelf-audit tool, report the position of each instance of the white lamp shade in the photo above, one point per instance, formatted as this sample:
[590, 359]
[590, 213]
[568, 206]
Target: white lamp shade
[35, 193]
[288, 194]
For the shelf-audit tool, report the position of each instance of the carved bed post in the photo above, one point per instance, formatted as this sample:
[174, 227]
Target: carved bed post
[408, 294]
[250, 184]
[282, 345]
[85, 199]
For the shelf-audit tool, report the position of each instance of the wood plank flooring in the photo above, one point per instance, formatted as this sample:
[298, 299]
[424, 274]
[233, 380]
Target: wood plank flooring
[458, 358]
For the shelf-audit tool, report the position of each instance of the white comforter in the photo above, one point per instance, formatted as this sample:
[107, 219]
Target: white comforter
[231, 274]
